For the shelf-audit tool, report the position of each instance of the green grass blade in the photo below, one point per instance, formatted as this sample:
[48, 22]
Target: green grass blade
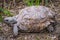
[1, 19]
[37, 2]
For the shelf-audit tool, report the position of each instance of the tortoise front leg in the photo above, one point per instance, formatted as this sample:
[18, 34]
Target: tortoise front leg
[15, 30]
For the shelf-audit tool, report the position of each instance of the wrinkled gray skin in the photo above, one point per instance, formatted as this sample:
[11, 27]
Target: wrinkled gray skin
[15, 20]
[12, 22]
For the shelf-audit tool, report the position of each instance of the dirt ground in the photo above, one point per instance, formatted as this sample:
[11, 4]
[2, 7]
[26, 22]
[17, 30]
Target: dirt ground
[7, 34]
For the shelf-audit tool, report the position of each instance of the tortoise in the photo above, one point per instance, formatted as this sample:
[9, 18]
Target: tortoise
[32, 19]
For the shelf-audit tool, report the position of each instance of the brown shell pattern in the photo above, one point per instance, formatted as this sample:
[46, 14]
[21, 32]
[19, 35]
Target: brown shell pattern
[35, 18]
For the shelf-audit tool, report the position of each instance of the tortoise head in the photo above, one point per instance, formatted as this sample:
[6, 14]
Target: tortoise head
[10, 20]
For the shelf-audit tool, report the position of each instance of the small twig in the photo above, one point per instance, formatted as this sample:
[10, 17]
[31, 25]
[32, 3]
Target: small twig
[4, 3]
[14, 3]
[43, 2]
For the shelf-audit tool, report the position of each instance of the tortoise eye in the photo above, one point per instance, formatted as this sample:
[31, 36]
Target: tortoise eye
[6, 20]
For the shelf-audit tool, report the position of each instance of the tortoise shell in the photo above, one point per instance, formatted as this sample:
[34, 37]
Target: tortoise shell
[34, 18]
